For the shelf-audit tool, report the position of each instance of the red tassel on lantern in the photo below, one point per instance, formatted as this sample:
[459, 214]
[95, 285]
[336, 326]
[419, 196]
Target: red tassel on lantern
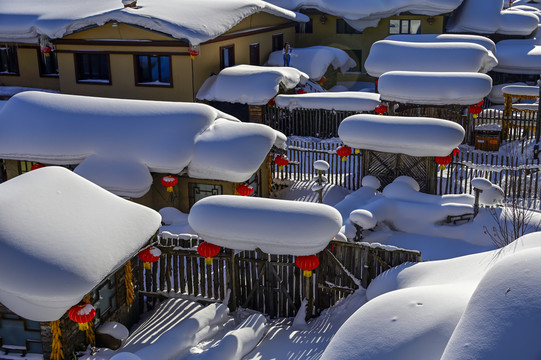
[169, 181]
[343, 151]
[149, 255]
[208, 251]
[281, 161]
[244, 189]
[443, 161]
[307, 264]
[82, 314]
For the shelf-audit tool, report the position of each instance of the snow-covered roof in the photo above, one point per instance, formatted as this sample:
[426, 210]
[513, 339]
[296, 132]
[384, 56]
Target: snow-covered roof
[521, 90]
[388, 55]
[272, 225]
[519, 56]
[434, 88]
[445, 38]
[61, 236]
[482, 17]
[314, 60]
[344, 100]
[117, 142]
[368, 13]
[194, 20]
[415, 136]
[249, 84]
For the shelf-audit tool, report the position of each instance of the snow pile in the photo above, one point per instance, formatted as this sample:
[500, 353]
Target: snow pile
[116, 143]
[274, 226]
[519, 56]
[480, 17]
[415, 136]
[521, 90]
[344, 101]
[434, 88]
[388, 55]
[314, 60]
[8, 91]
[445, 38]
[61, 236]
[249, 84]
[496, 94]
[368, 13]
[481, 306]
[195, 21]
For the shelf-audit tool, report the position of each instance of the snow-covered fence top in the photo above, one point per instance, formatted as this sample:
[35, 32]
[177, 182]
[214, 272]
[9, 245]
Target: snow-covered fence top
[415, 136]
[521, 90]
[61, 236]
[272, 225]
[249, 84]
[194, 20]
[116, 143]
[342, 101]
[388, 55]
[434, 88]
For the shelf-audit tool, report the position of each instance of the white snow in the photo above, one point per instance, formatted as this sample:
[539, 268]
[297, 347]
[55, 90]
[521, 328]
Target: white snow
[388, 55]
[496, 94]
[114, 329]
[117, 143]
[314, 60]
[519, 56]
[434, 88]
[249, 84]
[61, 236]
[415, 136]
[274, 226]
[521, 90]
[445, 38]
[195, 21]
[345, 101]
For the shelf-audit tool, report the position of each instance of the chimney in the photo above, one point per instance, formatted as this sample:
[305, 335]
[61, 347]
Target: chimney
[129, 3]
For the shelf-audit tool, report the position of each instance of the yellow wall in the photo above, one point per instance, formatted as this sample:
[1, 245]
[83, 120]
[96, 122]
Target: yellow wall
[29, 75]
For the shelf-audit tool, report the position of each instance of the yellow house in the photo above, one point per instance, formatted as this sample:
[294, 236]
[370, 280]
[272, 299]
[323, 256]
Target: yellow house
[140, 51]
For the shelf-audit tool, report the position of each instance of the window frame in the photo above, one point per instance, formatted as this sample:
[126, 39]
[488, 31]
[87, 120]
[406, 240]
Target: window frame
[401, 23]
[15, 60]
[231, 56]
[78, 79]
[149, 55]
[278, 42]
[305, 28]
[255, 59]
[41, 64]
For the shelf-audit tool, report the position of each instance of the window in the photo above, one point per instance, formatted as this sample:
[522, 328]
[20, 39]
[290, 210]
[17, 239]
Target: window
[304, 28]
[254, 54]
[104, 299]
[357, 55]
[342, 27]
[17, 331]
[198, 191]
[153, 69]
[227, 56]
[8, 60]
[277, 42]
[92, 68]
[404, 26]
[48, 64]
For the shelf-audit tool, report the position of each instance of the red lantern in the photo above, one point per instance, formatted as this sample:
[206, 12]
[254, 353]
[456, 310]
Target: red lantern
[193, 50]
[443, 161]
[281, 161]
[149, 255]
[82, 314]
[36, 166]
[46, 50]
[169, 181]
[307, 264]
[475, 110]
[381, 109]
[208, 251]
[245, 189]
[323, 80]
[301, 91]
[272, 102]
[343, 151]
[456, 151]
[480, 103]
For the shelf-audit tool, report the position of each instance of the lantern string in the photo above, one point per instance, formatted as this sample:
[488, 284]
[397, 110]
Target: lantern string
[57, 353]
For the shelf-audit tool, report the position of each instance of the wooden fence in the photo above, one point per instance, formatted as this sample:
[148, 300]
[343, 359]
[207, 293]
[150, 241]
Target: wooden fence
[271, 284]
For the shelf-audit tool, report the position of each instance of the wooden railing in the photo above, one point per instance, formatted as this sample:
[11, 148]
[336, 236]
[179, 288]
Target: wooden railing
[272, 284]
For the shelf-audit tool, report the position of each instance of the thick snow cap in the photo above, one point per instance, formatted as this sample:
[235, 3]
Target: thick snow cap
[194, 20]
[116, 143]
[61, 236]
[388, 55]
[343, 101]
[434, 88]
[249, 84]
[519, 56]
[445, 38]
[274, 226]
[415, 136]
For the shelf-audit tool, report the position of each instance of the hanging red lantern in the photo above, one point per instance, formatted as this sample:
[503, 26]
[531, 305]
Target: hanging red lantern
[36, 166]
[456, 151]
[301, 91]
[281, 161]
[307, 264]
[475, 110]
[46, 50]
[343, 151]
[82, 314]
[323, 80]
[381, 109]
[244, 189]
[193, 50]
[272, 102]
[443, 161]
[169, 181]
[149, 255]
[480, 103]
[208, 251]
